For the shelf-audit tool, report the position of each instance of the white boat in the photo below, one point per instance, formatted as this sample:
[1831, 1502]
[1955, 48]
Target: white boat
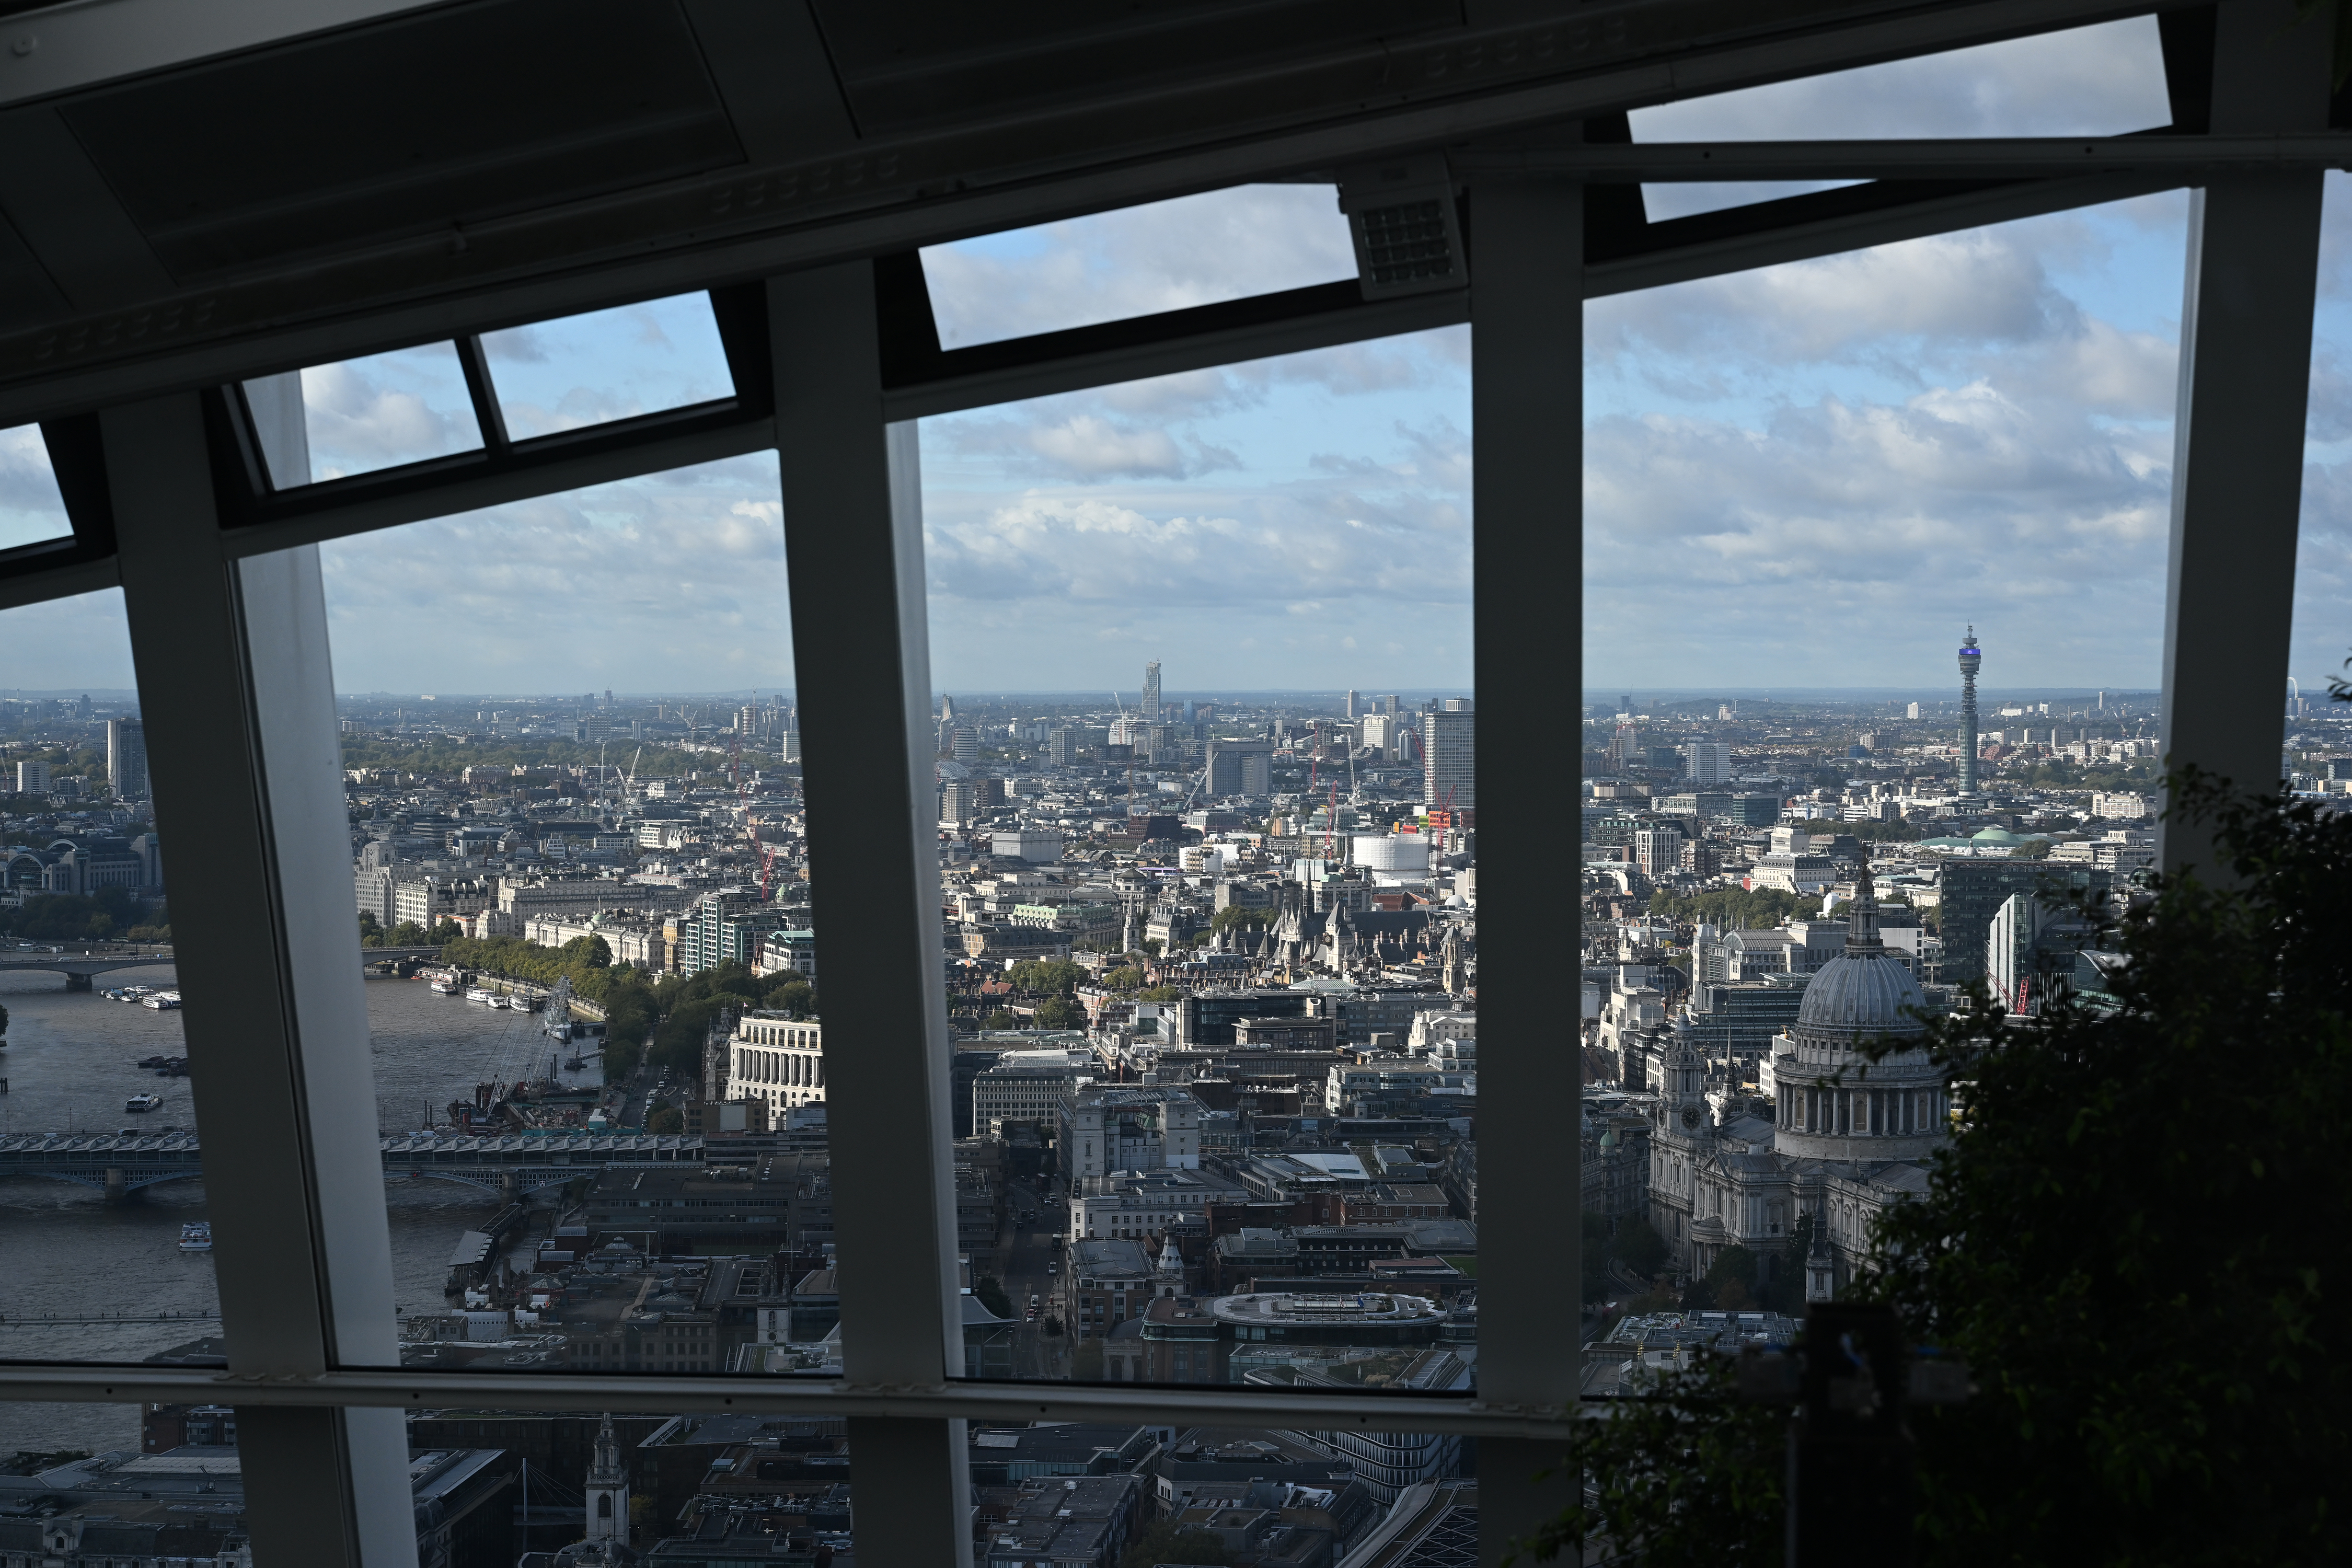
[500, 1002]
[142, 1102]
[196, 1236]
[446, 987]
[164, 1000]
[479, 994]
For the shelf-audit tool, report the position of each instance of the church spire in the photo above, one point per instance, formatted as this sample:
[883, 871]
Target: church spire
[1862, 921]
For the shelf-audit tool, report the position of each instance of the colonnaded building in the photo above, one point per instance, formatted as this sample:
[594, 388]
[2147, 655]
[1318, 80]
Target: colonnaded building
[1842, 1144]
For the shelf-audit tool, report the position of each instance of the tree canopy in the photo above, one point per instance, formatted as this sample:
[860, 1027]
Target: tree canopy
[1041, 975]
[1738, 908]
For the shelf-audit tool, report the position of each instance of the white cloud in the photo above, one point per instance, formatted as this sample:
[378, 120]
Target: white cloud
[1162, 256]
[2098, 80]
[674, 582]
[30, 507]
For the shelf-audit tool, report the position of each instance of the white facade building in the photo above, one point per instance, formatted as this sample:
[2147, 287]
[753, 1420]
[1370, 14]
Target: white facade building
[1450, 755]
[1026, 1086]
[777, 1060]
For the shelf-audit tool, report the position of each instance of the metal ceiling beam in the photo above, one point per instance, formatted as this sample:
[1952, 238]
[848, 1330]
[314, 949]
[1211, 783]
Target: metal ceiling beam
[757, 222]
[1219, 1404]
[1170, 343]
[1771, 245]
[2178, 158]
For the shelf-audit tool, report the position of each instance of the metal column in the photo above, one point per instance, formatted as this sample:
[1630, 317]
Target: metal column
[2245, 374]
[853, 545]
[1527, 314]
[238, 700]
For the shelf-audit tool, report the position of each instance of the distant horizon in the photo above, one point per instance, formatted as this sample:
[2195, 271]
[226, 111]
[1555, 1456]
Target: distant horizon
[1863, 693]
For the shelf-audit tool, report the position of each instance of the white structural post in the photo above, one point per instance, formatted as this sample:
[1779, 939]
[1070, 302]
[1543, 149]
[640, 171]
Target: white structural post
[1527, 317]
[237, 696]
[2245, 372]
[853, 545]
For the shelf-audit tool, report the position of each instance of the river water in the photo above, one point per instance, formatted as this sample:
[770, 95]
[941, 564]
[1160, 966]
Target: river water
[70, 1064]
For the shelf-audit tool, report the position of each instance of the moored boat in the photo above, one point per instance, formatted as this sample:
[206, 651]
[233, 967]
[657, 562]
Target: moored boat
[142, 1102]
[163, 1000]
[196, 1235]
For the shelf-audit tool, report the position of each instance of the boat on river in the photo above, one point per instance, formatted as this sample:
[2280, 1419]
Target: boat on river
[161, 1001]
[143, 1102]
[196, 1235]
[482, 994]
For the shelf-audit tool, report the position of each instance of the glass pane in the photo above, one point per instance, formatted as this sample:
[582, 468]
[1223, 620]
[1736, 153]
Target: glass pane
[101, 1193]
[599, 1066]
[1203, 650]
[31, 510]
[1868, 445]
[607, 364]
[2100, 81]
[1162, 256]
[2318, 738]
[362, 415]
[1660, 203]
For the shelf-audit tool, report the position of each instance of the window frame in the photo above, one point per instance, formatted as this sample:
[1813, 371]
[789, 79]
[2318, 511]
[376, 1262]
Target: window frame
[229, 635]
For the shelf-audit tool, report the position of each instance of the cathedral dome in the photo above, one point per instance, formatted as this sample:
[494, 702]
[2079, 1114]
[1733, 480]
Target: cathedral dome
[1865, 995]
[1867, 990]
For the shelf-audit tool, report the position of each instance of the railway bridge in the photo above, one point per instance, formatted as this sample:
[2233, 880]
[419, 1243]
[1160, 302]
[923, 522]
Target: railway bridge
[511, 1165]
[80, 968]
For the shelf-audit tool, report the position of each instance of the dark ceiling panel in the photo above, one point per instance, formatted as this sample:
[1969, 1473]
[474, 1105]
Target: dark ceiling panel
[27, 298]
[773, 71]
[912, 64]
[65, 213]
[407, 127]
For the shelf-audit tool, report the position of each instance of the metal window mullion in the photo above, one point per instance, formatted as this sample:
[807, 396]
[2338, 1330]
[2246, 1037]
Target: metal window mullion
[2238, 437]
[236, 695]
[1527, 433]
[854, 548]
[484, 393]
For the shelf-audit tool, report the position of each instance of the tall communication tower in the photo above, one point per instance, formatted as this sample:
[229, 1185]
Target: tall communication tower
[1971, 660]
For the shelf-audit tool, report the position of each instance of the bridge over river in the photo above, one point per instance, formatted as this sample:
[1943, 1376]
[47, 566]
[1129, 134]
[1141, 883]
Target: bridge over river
[510, 1164]
[79, 967]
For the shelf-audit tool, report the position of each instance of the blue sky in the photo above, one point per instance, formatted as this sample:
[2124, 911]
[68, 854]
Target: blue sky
[1841, 461]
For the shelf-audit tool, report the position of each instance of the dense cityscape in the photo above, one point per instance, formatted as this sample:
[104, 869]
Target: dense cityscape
[1211, 965]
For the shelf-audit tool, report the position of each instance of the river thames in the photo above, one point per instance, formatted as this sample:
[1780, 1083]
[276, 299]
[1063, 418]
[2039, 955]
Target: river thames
[71, 1063]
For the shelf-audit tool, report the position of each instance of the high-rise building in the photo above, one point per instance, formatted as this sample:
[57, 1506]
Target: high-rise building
[964, 745]
[32, 778]
[1450, 755]
[1658, 851]
[1149, 708]
[1240, 767]
[1352, 704]
[1708, 763]
[1971, 660]
[1912, 712]
[1972, 891]
[126, 759]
